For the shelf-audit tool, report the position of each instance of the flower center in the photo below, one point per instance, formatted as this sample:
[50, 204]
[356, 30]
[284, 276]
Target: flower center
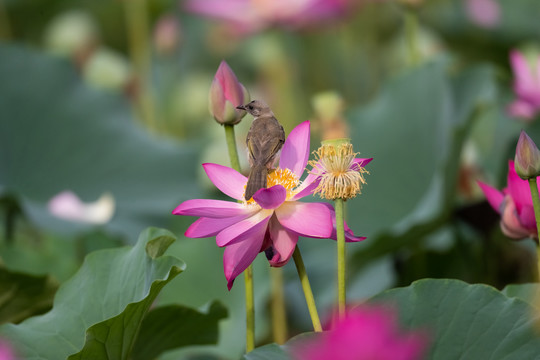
[340, 176]
[283, 177]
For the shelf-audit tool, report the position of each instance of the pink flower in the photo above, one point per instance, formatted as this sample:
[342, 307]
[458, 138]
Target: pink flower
[6, 352]
[226, 93]
[526, 85]
[248, 16]
[67, 205]
[484, 13]
[366, 333]
[514, 204]
[273, 220]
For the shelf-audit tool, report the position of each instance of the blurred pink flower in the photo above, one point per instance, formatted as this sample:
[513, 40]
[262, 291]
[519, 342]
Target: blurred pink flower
[6, 351]
[66, 205]
[167, 34]
[366, 333]
[273, 220]
[226, 93]
[484, 13]
[514, 204]
[526, 85]
[248, 16]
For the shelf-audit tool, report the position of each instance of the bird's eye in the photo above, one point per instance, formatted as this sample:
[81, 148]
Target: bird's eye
[250, 107]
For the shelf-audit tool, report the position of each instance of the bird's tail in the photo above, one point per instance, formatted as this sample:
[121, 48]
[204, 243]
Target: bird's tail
[256, 180]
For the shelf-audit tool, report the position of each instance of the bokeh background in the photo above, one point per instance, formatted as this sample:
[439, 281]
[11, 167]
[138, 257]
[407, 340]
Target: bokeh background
[110, 98]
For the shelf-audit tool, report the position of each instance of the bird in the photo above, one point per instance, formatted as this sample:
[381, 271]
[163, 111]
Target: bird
[264, 141]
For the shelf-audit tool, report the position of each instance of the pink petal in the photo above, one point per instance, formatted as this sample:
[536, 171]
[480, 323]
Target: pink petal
[526, 85]
[361, 162]
[227, 180]
[295, 151]
[510, 224]
[229, 82]
[283, 243]
[307, 187]
[522, 109]
[212, 208]
[493, 196]
[270, 198]
[209, 227]
[518, 188]
[237, 257]
[527, 219]
[216, 100]
[243, 229]
[306, 219]
[349, 235]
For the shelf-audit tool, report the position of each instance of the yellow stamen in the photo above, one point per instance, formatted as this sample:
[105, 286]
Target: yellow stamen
[283, 177]
[341, 177]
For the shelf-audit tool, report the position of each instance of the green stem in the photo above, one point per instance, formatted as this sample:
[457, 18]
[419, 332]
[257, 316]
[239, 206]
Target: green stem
[137, 32]
[231, 144]
[5, 25]
[250, 309]
[307, 289]
[536, 205]
[340, 257]
[279, 316]
[411, 34]
[248, 273]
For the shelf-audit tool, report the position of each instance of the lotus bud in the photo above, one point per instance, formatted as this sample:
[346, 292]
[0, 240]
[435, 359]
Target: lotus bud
[226, 93]
[527, 159]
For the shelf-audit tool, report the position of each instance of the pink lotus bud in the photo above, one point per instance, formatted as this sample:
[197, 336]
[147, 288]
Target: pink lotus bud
[527, 159]
[226, 93]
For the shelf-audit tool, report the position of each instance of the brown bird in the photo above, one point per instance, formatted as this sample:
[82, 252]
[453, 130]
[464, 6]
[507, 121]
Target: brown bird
[264, 141]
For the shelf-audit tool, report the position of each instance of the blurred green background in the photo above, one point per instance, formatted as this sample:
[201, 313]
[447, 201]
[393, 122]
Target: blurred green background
[102, 96]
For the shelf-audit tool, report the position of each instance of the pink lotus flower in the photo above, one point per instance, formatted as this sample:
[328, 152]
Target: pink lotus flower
[514, 204]
[484, 13]
[68, 206]
[6, 351]
[248, 16]
[366, 333]
[226, 93]
[273, 220]
[526, 85]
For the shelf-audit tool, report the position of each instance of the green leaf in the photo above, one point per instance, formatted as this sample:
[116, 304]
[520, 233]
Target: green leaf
[23, 295]
[415, 131]
[175, 326]
[85, 140]
[111, 292]
[527, 292]
[466, 321]
[267, 352]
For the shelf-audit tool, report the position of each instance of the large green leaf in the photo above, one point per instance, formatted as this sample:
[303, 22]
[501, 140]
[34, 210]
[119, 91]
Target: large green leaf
[527, 292]
[111, 292]
[466, 321]
[56, 133]
[175, 326]
[415, 131]
[463, 321]
[23, 295]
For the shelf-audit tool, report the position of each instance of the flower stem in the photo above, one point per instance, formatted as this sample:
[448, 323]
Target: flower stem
[307, 289]
[536, 205]
[279, 316]
[5, 25]
[340, 257]
[137, 31]
[248, 273]
[411, 34]
[250, 309]
[231, 144]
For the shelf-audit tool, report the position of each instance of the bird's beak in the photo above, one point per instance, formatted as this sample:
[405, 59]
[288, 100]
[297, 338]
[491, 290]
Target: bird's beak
[241, 107]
